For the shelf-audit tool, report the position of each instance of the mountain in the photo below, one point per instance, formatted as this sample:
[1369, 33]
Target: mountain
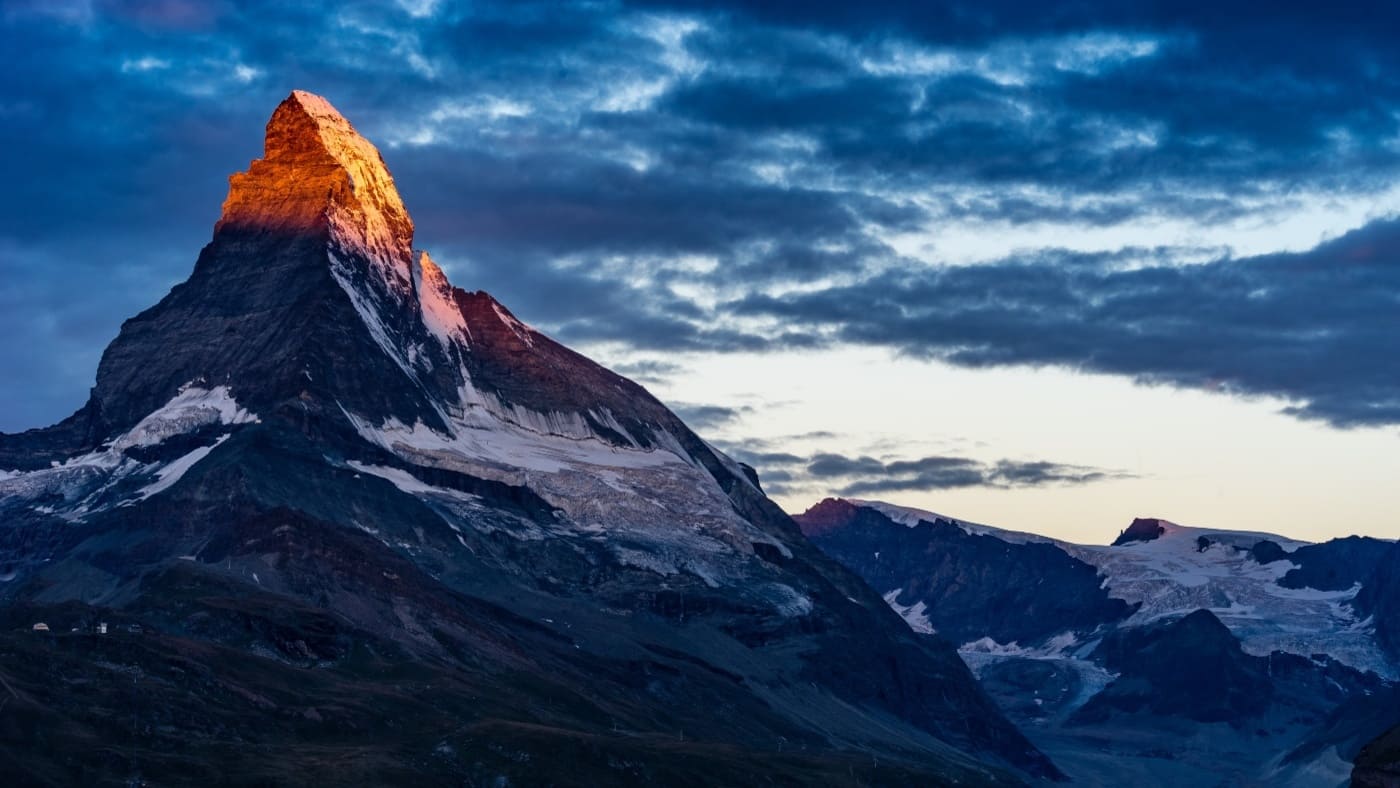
[344, 522]
[1263, 658]
[1224, 684]
[963, 584]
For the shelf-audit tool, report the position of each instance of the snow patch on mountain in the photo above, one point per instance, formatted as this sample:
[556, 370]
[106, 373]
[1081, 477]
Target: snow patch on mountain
[509, 446]
[1172, 575]
[656, 509]
[192, 408]
[441, 315]
[788, 600]
[916, 615]
[342, 269]
[88, 482]
[1056, 647]
[171, 473]
[521, 331]
[909, 516]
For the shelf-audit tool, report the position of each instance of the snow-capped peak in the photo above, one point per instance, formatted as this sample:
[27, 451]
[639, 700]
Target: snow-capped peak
[910, 516]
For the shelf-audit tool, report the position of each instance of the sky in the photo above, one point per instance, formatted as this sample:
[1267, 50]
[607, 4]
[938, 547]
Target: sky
[1047, 266]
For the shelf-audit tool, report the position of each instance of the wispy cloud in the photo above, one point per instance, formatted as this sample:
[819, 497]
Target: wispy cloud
[827, 472]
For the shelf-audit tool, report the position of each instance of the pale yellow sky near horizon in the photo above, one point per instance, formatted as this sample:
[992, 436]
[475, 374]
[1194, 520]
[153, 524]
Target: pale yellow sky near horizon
[1199, 458]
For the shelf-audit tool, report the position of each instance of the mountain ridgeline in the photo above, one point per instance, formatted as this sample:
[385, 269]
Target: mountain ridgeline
[970, 585]
[1261, 659]
[342, 522]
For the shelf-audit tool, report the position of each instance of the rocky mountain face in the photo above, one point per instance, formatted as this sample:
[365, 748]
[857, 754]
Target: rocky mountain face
[1335, 565]
[1378, 764]
[1261, 658]
[965, 586]
[1141, 529]
[1224, 684]
[1379, 599]
[334, 510]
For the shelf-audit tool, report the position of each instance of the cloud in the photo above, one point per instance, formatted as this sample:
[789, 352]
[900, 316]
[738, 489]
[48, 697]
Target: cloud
[648, 370]
[714, 177]
[865, 475]
[1315, 328]
[702, 418]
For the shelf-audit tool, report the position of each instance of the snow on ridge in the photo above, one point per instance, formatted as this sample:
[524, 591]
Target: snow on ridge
[407, 482]
[915, 615]
[520, 330]
[441, 315]
[1171, 576]
[656, 507]
[910, 516]
[1175, 532]
[368, 311]
[193, 407]
[84, 481]
[176, 469]
[1053, 648]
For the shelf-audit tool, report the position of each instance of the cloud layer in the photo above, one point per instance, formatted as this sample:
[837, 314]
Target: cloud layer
[713, 177]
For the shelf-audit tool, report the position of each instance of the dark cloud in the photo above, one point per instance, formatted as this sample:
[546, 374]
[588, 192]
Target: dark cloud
[702, 418]
[647, 370]
[597, 165]
[1317, 328]
[863, 474]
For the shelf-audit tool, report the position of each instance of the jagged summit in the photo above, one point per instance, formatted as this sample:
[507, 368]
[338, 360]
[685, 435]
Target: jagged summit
[317, 172]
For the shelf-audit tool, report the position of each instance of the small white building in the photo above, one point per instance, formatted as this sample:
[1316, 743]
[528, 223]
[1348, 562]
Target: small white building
[102, 628]
[41, 627]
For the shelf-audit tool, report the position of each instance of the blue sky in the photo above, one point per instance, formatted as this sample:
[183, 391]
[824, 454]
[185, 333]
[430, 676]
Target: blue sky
[1105, 207]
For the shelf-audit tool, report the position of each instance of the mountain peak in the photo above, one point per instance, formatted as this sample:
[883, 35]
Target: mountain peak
[319, 174]
[315, 106]
[1144, 529]
[828, 515]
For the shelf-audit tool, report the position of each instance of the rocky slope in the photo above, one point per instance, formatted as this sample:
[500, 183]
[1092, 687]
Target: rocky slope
[337, 511]
[1378, 765]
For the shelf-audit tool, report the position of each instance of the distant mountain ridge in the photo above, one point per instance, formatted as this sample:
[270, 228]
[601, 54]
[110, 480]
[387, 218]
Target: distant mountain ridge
[1170, 631]
[1161, 568]
[965, 585]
